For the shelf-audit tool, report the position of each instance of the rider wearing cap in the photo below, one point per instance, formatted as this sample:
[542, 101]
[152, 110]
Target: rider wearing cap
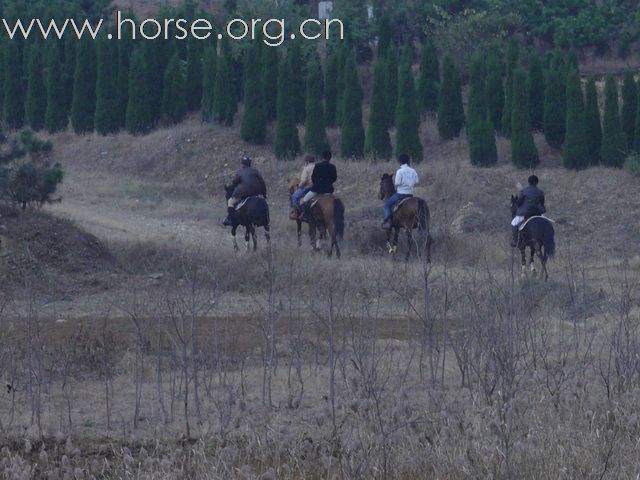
[530, 203]
[247, 183]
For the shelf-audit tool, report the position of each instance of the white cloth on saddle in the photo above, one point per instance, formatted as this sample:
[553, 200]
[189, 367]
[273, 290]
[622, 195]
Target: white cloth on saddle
[406, 178]
[517, 220]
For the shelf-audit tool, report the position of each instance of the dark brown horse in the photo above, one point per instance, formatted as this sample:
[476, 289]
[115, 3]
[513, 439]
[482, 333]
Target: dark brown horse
[411, 214]
[537, 234]
[253, 213]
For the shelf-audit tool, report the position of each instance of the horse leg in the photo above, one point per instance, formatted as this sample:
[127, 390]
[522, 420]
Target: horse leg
[246, 237]
[531, 264]
[267, 233]
[312, 235]
[254, 235]
[523, 253]
[543, 261]
[389, 244]
[299, 231]
[395, 240]
[235, 241]
[409, 243]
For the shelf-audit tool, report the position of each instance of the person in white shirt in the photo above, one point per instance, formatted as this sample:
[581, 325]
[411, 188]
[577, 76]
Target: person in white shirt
[405, 180]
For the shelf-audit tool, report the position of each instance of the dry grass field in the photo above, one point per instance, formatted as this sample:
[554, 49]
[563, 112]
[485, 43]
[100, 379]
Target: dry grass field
[135, 343]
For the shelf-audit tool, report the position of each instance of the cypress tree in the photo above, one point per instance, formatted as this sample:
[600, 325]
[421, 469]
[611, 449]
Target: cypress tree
[287, 142]
[450, 110]
[208, 83]
[352, 131]
[55, 118]
[125, 47]
[407, 114]
[194, 77]
[385, 33]
[344, 51]
[298, 87]
[429, 78]
[13, 104]
[269, 80]
[174, 98]
[224, 99]
[523, 150]
[636, 146]
[495, 88]
[593, 127]
[512, 63]
[108, 111]
[535, 88]
[613, 140]
[139, 117]
[153, 53]
[629, 108]
[575, 153]
[554, 121]
[253, 126]
[377, 142]
[69, 69]
[331, 88]
[315, 137]
[391, 83]
[36, 90]
[480, 133]
[83, 105]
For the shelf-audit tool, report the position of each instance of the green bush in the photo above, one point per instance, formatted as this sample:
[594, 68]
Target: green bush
[631, 164]
[32, 184]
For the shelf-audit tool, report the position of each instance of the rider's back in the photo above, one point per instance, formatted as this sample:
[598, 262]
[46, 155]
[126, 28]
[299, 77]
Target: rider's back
[531, 201]
[323, 177]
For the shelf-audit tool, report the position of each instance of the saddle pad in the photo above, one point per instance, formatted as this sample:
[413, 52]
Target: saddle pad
[524, 224]
[245, 200]
[397, 206]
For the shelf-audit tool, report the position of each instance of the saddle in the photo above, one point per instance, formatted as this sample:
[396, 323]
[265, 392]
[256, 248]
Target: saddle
[245, 200]
[402, 200]
[315, 199]
[524, 223]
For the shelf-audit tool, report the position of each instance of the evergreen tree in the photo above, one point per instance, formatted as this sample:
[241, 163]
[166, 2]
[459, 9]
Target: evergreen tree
[391, 83]
[407, 114]
[331, 88]
[450, 110]
[36, 90]
[69, 69]
[108, 111]
[535, 88]
[139, 118]
[269, 80]
[298, 87]
[56, 114]
[613, 140]
[315, 137]
[83, 106]
[575, 153]
[377, 142]
[174, 97]
[523, 150]
[352, 131]
[344, 51]
[153, 60]
[429, 78]
[629, 108]
[554, 121]
[495, 88]
[480, 132]
[253, 126]
[13, 104]
[194, 77]
[385, 33]
[512, 63]
[593, 127]
[287, 142]
[208, 83]
[125, 47]
[224, 100]
[636, 136]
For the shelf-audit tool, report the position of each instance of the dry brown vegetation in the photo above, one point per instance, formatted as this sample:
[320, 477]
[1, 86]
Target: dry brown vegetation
[148, 349]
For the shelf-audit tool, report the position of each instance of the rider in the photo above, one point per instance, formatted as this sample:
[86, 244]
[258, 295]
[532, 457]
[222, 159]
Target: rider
[323, 177]
[304, 185]
[247, 183]
[530, 203]
[405, 180]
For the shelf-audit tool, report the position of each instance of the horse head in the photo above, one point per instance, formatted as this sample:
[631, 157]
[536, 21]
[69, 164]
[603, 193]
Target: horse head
[514, 205]
[386, 186]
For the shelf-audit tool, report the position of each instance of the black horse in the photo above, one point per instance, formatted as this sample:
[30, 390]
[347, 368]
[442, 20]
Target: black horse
[538, 235]
[253, 213]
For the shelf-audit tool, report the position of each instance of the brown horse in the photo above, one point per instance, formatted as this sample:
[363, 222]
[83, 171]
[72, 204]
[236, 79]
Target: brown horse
[411, 214]
[326, 215]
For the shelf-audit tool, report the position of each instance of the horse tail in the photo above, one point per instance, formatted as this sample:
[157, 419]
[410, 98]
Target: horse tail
[338, 217]
[548, 240]
[423, 217]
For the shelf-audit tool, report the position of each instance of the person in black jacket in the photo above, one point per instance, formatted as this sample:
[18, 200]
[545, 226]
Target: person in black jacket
[323, 177]
[530, 203]
[247, 183]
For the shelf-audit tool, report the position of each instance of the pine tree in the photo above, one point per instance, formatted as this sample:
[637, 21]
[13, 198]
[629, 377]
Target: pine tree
[36, 90]
[139, 118]
[429, 78]
[83, 106]
[535, 88]
[253, 126]
[107, 115]
[125, 48]
[269, 80]
[575, 154]
[391, 83]
[407, 114]
[523, 150]
[174, 98]
[480, 132]
[55, 118]
[352, 131]
[13, 113]
[315, 137]
[512, 63]
[377, 142]
[629, 108]
[613, 140]
[450, 110]
[593, 127]
[287, 142]
[495, 88]
[555, 108]
[208, 83]
[69, 69]
[331, 88]
[298, 87]
[194, 77]
[224, 100]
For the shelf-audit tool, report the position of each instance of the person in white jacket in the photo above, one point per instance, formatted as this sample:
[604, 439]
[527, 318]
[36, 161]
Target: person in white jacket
[405, 180]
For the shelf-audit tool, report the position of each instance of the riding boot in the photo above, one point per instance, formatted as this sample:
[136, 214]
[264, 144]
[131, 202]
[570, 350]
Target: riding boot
[295, 213]
[386, 225]
[228, 222]
[514, 236]
[304, 212]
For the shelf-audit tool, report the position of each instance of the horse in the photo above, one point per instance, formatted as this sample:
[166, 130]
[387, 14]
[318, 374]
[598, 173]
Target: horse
[254, 212]
[538, 235]
[326, 215]
[412, 213]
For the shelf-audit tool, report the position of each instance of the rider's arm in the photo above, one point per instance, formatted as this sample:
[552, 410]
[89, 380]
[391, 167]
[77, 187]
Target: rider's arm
[397, 180]
[236, 181]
